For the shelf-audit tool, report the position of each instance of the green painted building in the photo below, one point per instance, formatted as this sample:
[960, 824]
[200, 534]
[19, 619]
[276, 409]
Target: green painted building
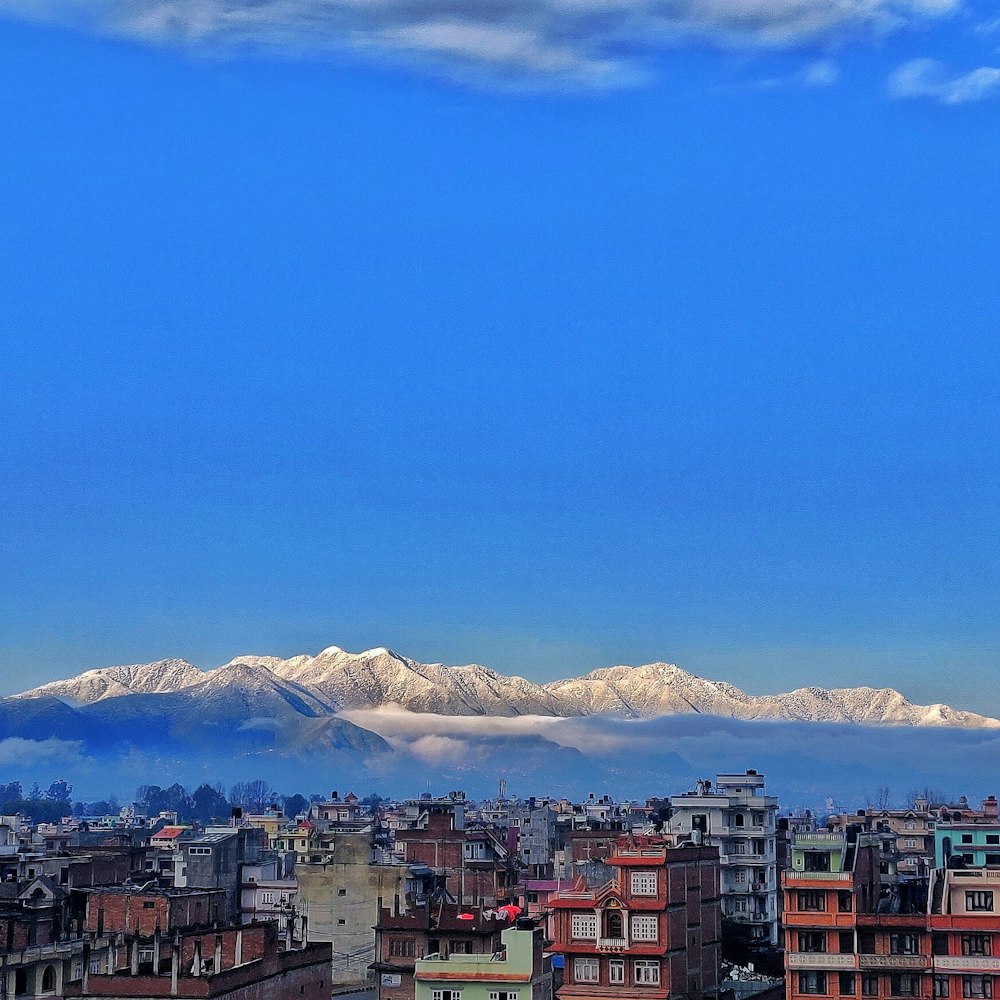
[519, 971]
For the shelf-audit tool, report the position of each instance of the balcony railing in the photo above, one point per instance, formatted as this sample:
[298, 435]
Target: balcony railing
[612, 944]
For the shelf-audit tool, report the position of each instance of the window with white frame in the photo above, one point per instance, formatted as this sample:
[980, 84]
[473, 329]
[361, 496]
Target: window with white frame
[585, 926]
[446, 994]
[503, 994]
[616, 971]
[202, 851]
[741, 875]
[644, 927]
[643, 883]
[647, 973]
[267, 897]
[584, 970]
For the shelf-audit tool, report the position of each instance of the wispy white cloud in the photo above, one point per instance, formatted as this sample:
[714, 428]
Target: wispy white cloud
[927, 78]
[593, 42]
[819, 73]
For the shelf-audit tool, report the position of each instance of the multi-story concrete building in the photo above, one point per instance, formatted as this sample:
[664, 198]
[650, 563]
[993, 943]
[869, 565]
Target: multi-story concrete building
[652, 931]
[435, 928]
[519, 970]
[833, 877]
[848, 935]
[738, 818]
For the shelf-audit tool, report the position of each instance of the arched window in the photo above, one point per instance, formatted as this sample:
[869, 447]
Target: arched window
[614, 927]
[739, 819]
[49, 980]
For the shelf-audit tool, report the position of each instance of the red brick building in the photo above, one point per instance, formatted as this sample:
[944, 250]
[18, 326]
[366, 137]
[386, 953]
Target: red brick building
[133, 909]
[475, 862]
[653, 931]
[232, 964]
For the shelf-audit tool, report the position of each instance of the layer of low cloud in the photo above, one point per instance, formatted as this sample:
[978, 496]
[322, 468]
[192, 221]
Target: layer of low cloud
[577, 42]
[805, 762]
[929, 79]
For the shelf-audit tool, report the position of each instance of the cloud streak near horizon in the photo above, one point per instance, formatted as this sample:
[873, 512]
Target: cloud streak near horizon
[577, 43]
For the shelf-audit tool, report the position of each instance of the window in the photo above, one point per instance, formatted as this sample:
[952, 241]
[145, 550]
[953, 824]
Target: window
[267, 897]
[811, 899]
[614, 924]
[939, 944]
[403, 947]
[978, 987]
[847, 984]
[759, 847]
[904, 944]
[904, 984]
[979, 900]
[201, 851]
[812, 941]
[812, 982]
[341, 892]
[644, 884]
[145, 955]
[993, 860]
[846, 943]
[866, 942]
[461, 948]
[966, 838]
[844, 903]
[647, 973]
[869, 984]
[446, 994]
[740, 905]
[758, 819]
[148, 904]
[993, 838]
[644, 927]
[942, 987]
[503, 994]
[585, 926]
[910, 842]
[739, 820]
[584, 970]
[909, 825]
[49, 980]
[817, 861]
[341, 920]
[741, 876]
[616, 971]
[976, 944]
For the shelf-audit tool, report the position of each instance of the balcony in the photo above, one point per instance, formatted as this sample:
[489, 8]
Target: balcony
[612, 944]
[818, 960]
[906, 963]
[967, 963]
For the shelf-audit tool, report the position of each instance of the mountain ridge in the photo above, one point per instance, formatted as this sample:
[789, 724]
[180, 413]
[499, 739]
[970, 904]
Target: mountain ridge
[334, 680]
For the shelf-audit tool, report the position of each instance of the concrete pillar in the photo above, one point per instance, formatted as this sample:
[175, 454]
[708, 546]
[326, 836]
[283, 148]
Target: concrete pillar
[85, 986]
[175, 963]
[134, 960]
[218, 954]
[196, 964]
[238, 957]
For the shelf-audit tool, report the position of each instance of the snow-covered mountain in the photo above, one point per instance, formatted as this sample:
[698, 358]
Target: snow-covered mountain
[317, 687]
[159, 677]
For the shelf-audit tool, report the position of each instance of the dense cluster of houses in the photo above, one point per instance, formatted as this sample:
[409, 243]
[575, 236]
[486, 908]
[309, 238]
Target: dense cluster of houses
[440, 898]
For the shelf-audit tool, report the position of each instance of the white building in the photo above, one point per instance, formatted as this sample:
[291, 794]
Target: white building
[738, 818]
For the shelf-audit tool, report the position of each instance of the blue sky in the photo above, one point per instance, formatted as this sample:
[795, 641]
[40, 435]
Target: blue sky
[546, 335]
